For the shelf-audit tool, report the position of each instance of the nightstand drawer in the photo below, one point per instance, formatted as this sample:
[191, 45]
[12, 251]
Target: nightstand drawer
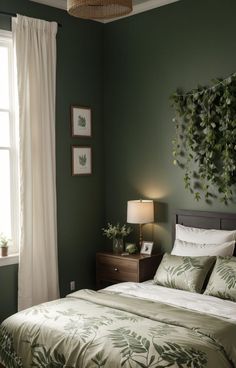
[123, 264]
[111, 268]
[117, 269]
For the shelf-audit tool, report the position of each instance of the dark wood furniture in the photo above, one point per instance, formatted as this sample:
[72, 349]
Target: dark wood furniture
[204, 220]
[111, 268]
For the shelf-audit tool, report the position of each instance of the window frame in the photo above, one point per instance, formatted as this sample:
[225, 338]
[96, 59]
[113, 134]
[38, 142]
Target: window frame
[7, 41]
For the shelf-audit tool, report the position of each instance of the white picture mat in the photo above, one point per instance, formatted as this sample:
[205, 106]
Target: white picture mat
[82, 160]
[146, 248]
[84, 113]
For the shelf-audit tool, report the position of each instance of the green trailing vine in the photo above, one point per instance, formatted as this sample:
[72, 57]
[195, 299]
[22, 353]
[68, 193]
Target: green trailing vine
[205, 141]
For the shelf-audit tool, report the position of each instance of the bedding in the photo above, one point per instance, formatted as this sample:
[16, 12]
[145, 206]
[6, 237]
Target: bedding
[129, 325]
[183, 248]
[110, 329]
[178, 298]
[222, 282]
[184, 273]
[203, 236]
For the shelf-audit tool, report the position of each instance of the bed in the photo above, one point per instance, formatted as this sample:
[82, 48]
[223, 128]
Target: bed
[128, 324]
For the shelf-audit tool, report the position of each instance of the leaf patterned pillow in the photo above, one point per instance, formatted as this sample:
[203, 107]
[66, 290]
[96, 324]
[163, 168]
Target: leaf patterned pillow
[184, 273]
[222, 283]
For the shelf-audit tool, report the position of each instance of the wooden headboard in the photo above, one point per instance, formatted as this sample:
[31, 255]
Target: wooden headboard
[204, 220]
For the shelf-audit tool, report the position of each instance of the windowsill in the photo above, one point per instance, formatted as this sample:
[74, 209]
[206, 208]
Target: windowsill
[9, 260]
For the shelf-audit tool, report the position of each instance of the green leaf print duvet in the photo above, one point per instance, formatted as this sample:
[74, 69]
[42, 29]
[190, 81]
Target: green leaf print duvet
[91, 329]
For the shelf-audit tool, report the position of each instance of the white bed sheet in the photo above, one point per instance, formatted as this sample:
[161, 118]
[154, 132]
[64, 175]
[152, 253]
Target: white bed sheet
[194, 301]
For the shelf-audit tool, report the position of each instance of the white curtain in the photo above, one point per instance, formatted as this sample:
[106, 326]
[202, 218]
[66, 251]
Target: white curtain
[35, 50]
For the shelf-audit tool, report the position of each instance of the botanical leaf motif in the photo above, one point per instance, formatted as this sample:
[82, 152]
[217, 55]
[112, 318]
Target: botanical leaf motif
[69, 312]
[85, 327]
[74, 325]
[227, 272]
[151, 360]
[43, 357]
[124, 317]
[175, 354]
[99, 359]
[224, 295]
[129, 341]
[82, 160]
[37, 310]
[162, 330]
[43, 310]
[81, 121]
[186, 273]
[8, 355]
[170, 282]
[188, 264]
[47, 358]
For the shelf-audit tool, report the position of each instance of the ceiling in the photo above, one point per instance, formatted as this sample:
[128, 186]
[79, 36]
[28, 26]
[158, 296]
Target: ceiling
[139, 6]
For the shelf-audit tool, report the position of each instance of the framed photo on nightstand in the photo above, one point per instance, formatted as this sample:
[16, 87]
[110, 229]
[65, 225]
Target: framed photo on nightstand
[146, 248]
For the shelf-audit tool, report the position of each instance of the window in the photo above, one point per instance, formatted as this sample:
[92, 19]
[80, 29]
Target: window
[9, 173]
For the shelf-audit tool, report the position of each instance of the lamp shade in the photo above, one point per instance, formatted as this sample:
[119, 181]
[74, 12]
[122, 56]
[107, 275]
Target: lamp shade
[99, 9]
[140, 212]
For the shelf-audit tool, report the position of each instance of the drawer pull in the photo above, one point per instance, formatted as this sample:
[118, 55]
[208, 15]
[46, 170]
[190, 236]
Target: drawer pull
[116, 269]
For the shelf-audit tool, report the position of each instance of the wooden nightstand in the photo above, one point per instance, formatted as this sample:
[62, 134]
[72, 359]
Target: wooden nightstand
[111, 268]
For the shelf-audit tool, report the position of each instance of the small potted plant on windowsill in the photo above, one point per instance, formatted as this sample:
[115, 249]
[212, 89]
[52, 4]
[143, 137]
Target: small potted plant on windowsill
[3, 245]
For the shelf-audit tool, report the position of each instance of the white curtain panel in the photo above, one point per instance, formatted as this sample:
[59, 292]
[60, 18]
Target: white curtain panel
[35, 50]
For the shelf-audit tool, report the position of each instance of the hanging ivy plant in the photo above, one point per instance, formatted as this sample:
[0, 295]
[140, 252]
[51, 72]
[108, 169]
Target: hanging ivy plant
[205, 142]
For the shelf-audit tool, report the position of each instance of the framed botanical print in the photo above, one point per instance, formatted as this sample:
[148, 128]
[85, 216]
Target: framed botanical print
[81, 124]
[81, 160]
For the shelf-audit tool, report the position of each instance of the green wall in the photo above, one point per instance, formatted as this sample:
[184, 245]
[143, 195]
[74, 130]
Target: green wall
[127, 68]
[8, 290]
[146, 57]
[79, 199]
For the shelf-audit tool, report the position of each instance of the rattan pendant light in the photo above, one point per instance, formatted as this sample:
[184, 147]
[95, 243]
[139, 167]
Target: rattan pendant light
[99, 9]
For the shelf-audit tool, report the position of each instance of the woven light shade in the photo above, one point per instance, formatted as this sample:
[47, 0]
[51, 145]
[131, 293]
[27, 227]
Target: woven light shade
[99, 9]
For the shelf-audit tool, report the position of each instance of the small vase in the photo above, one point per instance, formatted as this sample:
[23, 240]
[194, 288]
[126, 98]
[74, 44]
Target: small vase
[4, 251]
[118, 245]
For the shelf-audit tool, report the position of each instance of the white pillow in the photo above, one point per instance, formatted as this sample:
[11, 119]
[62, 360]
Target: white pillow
[182, 248]
[204, 236]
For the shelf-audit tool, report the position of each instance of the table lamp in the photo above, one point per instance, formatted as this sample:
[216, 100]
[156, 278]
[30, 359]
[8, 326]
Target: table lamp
[140, 212]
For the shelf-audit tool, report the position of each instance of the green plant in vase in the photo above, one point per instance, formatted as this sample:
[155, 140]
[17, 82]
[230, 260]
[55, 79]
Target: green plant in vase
[117, 233]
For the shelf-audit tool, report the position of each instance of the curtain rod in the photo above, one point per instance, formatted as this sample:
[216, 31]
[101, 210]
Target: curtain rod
[14, 15]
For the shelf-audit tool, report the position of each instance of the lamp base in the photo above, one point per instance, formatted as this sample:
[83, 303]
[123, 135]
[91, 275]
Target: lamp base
[140, 237]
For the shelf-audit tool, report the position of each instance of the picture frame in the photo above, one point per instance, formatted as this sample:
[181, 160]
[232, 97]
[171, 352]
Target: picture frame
[81, 121]
[146, 248]
[81, 160]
